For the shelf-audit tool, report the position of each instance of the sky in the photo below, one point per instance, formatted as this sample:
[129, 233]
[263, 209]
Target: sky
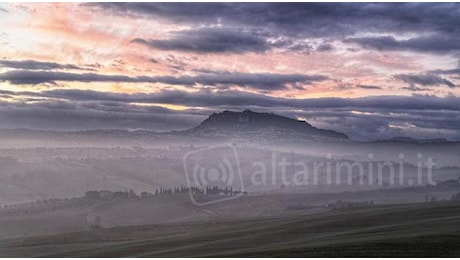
[370, 70]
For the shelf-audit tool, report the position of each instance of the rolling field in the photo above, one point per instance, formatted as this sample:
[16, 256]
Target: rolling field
[415, 230]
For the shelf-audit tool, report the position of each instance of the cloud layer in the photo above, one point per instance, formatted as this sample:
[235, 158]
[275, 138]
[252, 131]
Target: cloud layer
[367, 118]
[433, 43]
[253, 80]
[36, 65]
[210, 41]
[425, 80]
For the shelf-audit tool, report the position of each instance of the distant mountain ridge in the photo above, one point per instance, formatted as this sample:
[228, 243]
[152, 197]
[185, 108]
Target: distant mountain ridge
[404, 139]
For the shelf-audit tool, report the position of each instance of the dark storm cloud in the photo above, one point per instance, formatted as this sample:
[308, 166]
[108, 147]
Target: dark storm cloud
[438, 22]
[433, 43]
[425, 80]
[185, 12]
[210, 40]
[265, 81]
[293, 19]
[38, 77]
[208, 98]
[312, 19]
[415, 88]
[325, 47]
[368, 87]
[447, 72]
[36, 65]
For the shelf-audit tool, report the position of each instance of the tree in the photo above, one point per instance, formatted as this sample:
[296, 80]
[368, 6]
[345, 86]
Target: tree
[92, 195]
[120, 195]
[132, 194]
[97, 223]
[455, 197]
[145, 194]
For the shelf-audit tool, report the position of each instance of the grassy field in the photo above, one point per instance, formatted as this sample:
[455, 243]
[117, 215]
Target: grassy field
[415, 230]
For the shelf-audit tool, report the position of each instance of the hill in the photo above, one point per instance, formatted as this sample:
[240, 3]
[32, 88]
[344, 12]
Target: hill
[410, 230]
[252, 124]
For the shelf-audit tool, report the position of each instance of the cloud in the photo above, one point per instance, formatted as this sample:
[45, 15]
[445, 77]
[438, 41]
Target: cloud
[369, 124]
[325, 47]
[415, 88]
[210, 40]
[425, 80]
[291, 44]
[36, 65]
[286, 18]
[252, 27]
[434, 43]
[37, 77]
[447, 72]
[225, 98]
[264, 81]
[304, 19]
[368, 87]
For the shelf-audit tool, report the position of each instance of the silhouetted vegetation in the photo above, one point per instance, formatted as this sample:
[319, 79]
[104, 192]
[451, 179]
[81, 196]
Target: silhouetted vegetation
[449, 183]
[456, 197]
[349, 204]
[95, 196]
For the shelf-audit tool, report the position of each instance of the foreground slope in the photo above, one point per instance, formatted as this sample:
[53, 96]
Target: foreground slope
[416, 230]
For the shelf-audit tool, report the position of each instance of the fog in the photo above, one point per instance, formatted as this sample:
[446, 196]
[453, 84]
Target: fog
[44, 178]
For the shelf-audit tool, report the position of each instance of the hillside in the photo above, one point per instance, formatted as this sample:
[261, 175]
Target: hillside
[411, 230]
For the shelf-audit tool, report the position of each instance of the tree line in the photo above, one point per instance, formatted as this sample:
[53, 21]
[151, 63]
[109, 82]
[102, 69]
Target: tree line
[117, 195]
[93, 196]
